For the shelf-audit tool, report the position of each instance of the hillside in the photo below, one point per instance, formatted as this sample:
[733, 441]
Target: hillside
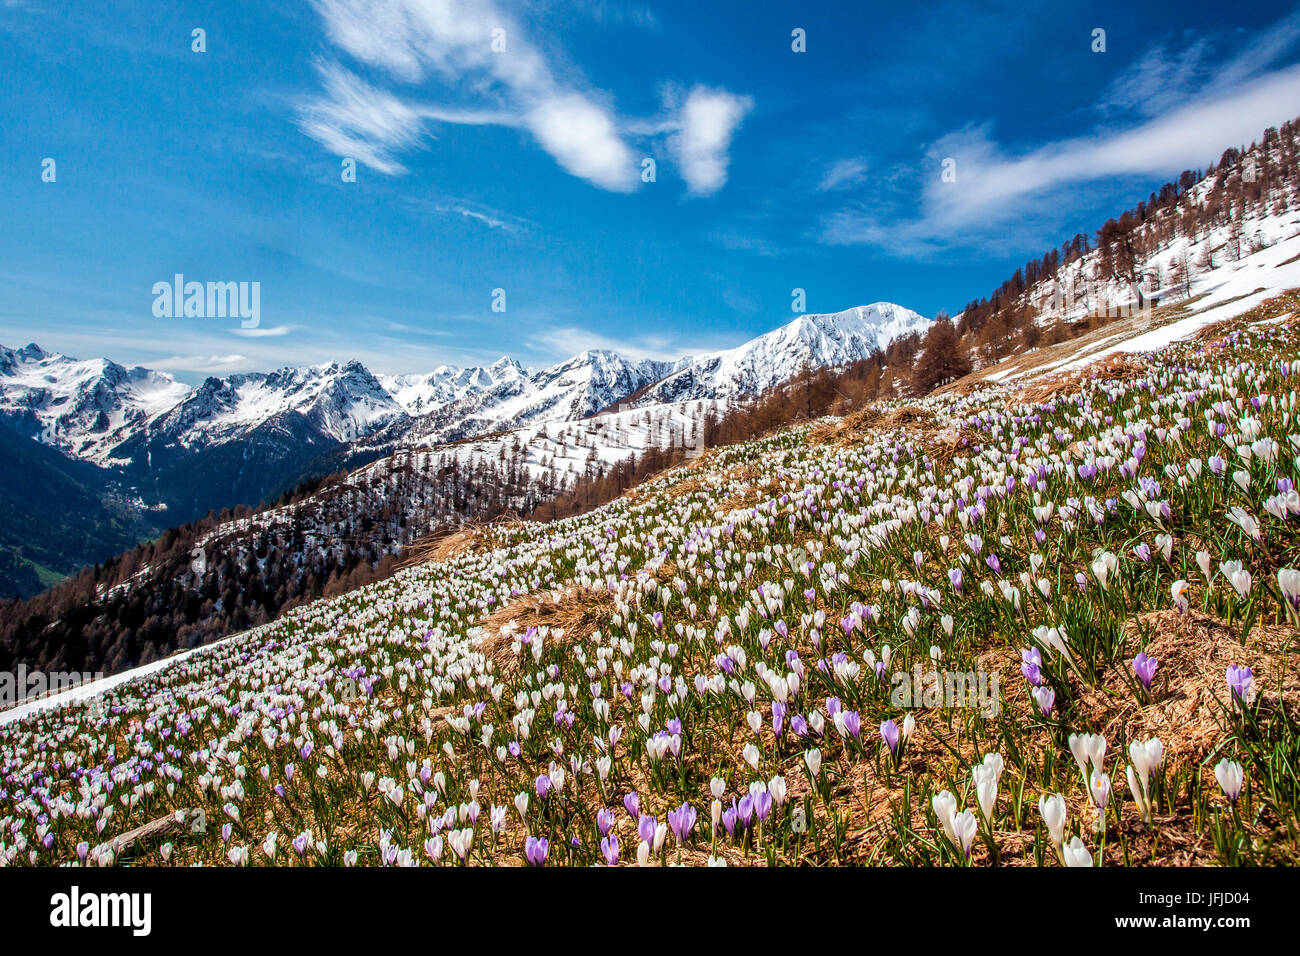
[713, 667]
[1163, 250]
[52, 507]
[172, 454]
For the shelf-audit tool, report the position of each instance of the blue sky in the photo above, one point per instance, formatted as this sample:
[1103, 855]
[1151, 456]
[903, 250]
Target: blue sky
[520, 169]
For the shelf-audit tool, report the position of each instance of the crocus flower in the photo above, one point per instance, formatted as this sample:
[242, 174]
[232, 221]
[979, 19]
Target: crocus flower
[609, 849]
[1178, 593]
[536, 850]
[813, 759]
[682, 822]
[1240, 680]
[1052, 810]
[1045, 698]
[945, 808]
[1076, 854]
[1031, 663]
[889, 733]
[604, 820]
[966, 826]
[1230, 775]
[1145, 668]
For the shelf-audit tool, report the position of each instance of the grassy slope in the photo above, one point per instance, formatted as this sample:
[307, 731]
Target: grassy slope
[662, 632]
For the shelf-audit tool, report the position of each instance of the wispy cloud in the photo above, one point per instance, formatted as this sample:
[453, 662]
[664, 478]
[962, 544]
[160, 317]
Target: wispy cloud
[563, 341]
[476, 52]
[264, 332]
[208, 364]
[843, 174]
[995, 187]
[495, 72]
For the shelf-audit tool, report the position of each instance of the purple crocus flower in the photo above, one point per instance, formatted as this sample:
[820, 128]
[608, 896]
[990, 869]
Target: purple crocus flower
[604, 820]
[646, 827]
[609, 850]
[954, 576]
[889, 733]
[632, 804]
[729, 820]
[682, 821]
[993, 562]
[543, 785]
[1145, 668]
[1240, 680]
[536, 849]
[1045, 697]
[745, 810]
[762, 805]
[852, 723]
[1031, 663]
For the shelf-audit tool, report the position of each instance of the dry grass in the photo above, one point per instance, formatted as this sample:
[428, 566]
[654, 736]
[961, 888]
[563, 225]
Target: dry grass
[571, 615]
[1121, 367]
[1190, 688]
[443, 546]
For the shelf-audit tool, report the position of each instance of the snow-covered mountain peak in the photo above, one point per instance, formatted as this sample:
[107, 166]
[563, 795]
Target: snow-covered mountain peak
[807, 341]
[82, 407]
[101, 411]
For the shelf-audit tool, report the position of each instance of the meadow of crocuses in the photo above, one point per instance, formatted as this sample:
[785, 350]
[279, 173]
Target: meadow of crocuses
[712, 670]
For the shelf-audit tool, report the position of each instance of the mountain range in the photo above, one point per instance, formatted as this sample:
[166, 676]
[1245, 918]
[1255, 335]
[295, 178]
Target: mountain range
[156, 453]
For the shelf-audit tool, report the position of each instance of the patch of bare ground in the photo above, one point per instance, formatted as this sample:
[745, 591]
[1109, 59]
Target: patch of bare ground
[1120, 367]
[1190, 691]
[442, 546]
[749, 486]
[919, 426]
[567, 616]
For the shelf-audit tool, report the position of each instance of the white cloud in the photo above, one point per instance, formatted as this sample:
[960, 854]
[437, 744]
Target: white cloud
[452, 40]
[1158, 80]
[583, 139]
[563, 341]
[704, 129]
[994, 188]
[210, 364]
[843, 173]
[264, 332]
[1190, 135]
[357, 120]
